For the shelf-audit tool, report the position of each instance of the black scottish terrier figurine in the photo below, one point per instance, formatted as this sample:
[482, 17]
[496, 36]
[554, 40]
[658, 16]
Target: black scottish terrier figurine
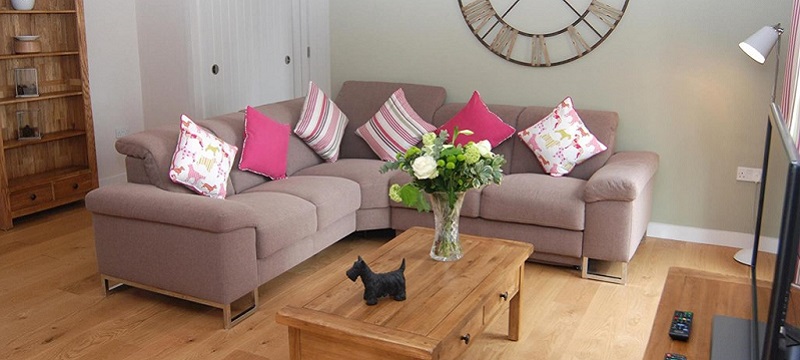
[376, 286]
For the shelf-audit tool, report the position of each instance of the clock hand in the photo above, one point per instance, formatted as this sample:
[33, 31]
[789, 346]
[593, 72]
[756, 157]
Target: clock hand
[582, 17]
[501, 16]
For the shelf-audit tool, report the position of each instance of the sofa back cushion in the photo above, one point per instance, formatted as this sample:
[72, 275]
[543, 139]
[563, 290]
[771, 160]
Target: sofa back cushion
[602, 124]
[360, 100]
[508, 113]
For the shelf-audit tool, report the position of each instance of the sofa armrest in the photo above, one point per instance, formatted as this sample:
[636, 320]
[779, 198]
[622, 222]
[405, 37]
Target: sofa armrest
[150, 203]
[622, 178]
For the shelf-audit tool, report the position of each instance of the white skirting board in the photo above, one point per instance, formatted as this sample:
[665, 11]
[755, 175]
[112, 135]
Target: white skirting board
[707, 236]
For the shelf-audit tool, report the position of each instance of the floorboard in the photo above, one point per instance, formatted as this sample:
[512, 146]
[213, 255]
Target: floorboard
[52, 307]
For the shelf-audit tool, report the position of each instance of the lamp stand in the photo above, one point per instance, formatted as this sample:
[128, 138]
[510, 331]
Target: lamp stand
[747, 256]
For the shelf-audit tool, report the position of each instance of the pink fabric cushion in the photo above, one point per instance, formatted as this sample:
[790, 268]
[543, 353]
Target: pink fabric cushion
[265, 147]
[485, 125]
[395, 128]
[561, 140]
[201, 160]
[321, 124]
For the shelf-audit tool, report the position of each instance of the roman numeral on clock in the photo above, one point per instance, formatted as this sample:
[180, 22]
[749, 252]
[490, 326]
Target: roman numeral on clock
[504, 41]
[605, 13]
[581, 46]
[478, 13]
[539, 54]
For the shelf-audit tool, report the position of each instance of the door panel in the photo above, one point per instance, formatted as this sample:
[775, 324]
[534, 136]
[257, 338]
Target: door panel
[248, 41]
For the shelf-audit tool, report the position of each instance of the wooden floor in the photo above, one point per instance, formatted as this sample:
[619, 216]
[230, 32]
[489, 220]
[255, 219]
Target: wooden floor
[51, 303]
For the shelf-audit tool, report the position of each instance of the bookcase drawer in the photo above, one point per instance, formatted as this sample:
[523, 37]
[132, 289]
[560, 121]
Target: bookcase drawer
[69, 187]
[31, 197]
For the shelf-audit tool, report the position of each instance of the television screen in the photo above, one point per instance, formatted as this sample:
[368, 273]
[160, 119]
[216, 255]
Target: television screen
[779, 218]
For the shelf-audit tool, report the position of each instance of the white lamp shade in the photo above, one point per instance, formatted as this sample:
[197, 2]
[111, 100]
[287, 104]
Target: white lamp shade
[760, 44]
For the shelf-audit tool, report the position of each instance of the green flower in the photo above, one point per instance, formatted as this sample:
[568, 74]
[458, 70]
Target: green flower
[412, 151]
[472, 154]
[428, 139]
[394, 193]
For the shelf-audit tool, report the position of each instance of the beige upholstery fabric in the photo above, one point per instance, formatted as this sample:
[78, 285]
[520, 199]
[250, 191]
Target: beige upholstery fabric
[623, 178]
[333, 197]
[220, 267]
[148, 203]
[366, 172]
[536, 200]
[282, 219]
[155, 148]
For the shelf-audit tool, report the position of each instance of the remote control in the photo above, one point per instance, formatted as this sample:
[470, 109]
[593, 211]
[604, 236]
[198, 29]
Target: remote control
[673, 356]
[681, 325]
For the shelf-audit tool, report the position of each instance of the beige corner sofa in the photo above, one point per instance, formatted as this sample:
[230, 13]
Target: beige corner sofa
[157, 235]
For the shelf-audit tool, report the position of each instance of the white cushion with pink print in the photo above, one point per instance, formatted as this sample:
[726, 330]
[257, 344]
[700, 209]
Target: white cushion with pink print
[561, 140]
[201, 161]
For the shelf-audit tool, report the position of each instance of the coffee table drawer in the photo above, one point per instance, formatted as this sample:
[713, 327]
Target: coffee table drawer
[506, 288]
[460, 339]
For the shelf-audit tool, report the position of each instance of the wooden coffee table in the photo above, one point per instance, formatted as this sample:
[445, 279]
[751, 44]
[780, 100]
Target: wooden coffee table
[448, 303]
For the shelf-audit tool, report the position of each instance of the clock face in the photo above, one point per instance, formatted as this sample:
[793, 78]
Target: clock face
[542, 32]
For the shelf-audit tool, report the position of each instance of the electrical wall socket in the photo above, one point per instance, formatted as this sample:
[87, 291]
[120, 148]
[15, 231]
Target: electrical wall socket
[121, 132]
[748, 174]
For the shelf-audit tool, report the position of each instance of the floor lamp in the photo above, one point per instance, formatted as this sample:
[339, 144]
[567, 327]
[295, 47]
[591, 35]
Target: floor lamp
[758, 46]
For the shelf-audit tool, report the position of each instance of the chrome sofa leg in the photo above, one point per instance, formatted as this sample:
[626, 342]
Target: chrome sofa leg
[621, 278]
[229, 321]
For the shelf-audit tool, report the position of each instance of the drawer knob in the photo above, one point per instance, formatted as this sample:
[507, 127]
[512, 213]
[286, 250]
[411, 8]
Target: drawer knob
[465, 339]
[504, 295]
[33, 197]
[75, 186]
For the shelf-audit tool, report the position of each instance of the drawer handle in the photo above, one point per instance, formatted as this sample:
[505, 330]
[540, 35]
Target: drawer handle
[75, 186]
[33, 197]
[465, 339]
[504, 295]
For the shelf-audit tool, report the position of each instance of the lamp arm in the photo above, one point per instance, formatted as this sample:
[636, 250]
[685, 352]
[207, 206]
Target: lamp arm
[777, 61]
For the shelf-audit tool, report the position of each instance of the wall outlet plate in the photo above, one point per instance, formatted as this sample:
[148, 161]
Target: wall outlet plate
[748, 174]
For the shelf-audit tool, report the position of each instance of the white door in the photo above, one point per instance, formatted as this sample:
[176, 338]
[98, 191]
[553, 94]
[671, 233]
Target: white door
[244, 53]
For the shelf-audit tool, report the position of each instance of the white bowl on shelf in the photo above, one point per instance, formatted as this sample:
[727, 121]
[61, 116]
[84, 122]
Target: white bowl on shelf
[26, 37]
[23, 4]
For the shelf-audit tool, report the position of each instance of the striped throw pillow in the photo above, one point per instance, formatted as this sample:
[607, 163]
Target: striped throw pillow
[321, 124]
[395, 128]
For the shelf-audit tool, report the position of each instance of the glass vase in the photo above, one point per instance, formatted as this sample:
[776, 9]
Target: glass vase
[446, 243]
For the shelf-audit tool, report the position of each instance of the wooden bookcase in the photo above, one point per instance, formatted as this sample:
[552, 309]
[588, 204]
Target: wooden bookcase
[61, 167]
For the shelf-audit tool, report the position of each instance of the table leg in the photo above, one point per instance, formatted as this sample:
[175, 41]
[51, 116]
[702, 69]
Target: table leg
[515, 307]
[294, 343]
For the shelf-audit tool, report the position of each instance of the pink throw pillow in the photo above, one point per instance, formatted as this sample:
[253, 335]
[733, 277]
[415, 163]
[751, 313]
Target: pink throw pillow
[477, 117]
[266, 145]
[561, 140]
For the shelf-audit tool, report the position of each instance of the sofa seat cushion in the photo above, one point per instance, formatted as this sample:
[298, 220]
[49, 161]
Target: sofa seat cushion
[536, 199]
[366, 172]
[333, 197]
[282, 219]
[470, 208]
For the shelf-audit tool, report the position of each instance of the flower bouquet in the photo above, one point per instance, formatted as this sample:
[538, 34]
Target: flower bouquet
[445, 172]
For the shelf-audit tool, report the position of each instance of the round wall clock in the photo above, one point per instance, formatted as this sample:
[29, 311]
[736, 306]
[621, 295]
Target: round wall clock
[542, 32]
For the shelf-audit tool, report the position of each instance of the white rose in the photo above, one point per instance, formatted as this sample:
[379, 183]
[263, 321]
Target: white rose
[485, 148]
[425, 167]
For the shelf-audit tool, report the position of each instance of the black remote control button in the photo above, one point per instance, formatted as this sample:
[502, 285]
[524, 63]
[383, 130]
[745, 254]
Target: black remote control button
[681, 325]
